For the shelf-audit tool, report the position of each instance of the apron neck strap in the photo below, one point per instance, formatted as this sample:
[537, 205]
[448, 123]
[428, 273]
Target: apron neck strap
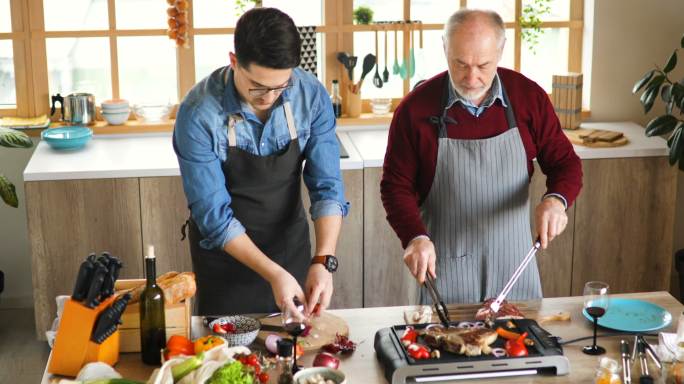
[289, 118]
[510, 116]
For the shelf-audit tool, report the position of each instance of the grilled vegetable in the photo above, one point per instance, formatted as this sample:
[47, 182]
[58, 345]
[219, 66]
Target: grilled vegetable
[418, 351]
[516, 347]
[506, 334]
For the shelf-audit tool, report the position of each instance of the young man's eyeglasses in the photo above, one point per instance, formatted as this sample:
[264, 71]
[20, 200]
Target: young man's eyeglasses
[259, 92]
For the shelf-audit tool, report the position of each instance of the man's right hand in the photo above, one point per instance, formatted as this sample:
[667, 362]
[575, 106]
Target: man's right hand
[420, 257]
[285, 288]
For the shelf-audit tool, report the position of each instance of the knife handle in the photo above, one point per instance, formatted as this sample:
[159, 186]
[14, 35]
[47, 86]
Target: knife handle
[92, 300]
[85, 273]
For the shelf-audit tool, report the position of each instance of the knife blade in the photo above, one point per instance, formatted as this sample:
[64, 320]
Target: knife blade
[109, 319]
[496, 304]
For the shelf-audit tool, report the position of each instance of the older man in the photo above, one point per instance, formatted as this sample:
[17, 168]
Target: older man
[458, 165]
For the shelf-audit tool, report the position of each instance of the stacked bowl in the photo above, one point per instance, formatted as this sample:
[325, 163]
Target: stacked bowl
[116, 112]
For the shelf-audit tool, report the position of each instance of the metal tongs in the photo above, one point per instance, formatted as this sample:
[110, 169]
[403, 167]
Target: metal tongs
[496, 304]
[441, 309]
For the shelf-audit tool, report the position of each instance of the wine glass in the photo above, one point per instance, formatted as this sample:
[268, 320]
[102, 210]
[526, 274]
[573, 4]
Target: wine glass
[596, 305]
[293, 323]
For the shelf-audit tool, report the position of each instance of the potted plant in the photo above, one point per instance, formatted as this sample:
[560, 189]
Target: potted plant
[363, 15]
[657, 82]
[11, 138]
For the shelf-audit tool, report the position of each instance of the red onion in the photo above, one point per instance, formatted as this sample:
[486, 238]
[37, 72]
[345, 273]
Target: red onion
[324, 359]
[271, 343]
[499, 352]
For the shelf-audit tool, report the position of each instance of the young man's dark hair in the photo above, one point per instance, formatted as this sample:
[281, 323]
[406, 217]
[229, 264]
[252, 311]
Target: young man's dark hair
[267, 37]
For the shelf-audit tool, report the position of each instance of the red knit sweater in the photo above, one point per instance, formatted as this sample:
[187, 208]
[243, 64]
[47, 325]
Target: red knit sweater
[411, 156]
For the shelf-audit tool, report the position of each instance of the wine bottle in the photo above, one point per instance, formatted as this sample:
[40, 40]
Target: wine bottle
[152, 324]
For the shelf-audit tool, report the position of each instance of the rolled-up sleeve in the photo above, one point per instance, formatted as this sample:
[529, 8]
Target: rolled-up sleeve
[203, 179]
[322, 174]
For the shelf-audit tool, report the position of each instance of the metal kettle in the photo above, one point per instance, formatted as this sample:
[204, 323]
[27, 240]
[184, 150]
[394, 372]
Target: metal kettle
[77, 108]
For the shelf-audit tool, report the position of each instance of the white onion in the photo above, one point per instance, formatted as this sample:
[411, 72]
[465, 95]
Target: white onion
[271, 343]
[499, 352]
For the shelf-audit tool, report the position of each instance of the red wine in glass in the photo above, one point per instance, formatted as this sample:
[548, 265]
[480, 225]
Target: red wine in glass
[596, 304]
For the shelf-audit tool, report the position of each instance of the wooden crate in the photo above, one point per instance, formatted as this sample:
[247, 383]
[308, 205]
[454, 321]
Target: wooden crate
[177, 319]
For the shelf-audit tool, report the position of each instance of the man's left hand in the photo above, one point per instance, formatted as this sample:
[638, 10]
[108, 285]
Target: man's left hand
[318, 289]
[550, 220]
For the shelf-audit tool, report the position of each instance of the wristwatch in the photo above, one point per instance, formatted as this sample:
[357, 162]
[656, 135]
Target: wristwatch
[328, 261]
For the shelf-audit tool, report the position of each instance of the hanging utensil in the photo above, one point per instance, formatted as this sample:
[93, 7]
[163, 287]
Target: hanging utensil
[412, 56]
[404, 67]
[352, 65]
[368, 64]
[377, 80]
[385, 73]
[496, 304]
[343, 58]
[395, 67]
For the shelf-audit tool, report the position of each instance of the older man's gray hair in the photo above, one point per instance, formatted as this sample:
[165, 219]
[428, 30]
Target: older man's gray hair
[465, 15]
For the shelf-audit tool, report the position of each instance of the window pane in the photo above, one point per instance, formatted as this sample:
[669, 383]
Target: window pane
[505, 8]
[430, 60]
[141, 14]
[508, 57]
[216, 13]
[5, 16]
[551, 57]
[364, 43]
[79, 65]
[75, 15]
[302, 12]
[8, 96]
[211, 52]
[383, 10]
[559, 10]
[433, 11]
[151, 79]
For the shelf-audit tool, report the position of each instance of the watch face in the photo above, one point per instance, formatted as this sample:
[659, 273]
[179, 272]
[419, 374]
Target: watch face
[331, 263]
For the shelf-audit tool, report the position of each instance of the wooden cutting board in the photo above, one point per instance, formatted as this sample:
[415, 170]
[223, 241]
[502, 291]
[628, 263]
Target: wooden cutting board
[325, 329]
[595, 138]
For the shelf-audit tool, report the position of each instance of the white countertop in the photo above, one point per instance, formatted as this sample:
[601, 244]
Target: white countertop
[119, 156]
[150, 155]
[372, 144]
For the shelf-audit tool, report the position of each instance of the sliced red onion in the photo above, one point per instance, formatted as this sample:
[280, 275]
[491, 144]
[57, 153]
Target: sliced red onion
[430, 326]
[499, 352]
[271, 343]
[465, 324]
[478, 324]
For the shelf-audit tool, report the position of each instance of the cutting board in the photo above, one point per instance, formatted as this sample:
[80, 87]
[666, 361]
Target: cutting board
[325, 329]
[595, 138]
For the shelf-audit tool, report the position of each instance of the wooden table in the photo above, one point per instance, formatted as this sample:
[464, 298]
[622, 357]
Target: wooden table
[363, 367]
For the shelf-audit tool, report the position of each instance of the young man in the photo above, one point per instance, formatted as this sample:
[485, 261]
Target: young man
[241, 136]
[458, 166]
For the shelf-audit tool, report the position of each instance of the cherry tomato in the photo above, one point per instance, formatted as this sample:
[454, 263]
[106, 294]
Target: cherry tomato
[252, 360]
[263, 377]
[218, 328]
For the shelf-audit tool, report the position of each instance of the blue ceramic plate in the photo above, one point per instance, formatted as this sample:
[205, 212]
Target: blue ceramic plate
[67, 137]
[632, 315]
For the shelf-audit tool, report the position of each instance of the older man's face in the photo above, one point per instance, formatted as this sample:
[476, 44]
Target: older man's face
[473, 52]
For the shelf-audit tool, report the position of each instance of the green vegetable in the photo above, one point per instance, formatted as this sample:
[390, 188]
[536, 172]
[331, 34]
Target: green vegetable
[181, 370]
[101, 381]
[231, 373]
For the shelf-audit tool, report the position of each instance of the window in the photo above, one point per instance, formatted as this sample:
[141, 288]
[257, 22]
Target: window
[8, 96]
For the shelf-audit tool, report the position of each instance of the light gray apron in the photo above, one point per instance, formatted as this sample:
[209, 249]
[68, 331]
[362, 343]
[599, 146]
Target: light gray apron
[477, 215]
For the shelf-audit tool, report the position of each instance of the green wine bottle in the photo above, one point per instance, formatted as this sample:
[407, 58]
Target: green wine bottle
[152, 324]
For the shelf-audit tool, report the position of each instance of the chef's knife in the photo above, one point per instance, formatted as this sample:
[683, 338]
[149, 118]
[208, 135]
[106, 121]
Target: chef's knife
[85, 275]
[496, 305]
[109, 319]
[93, 298]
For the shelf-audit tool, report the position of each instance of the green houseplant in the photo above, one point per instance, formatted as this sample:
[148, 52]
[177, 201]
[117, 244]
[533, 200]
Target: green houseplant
[363, 15]
[530, 22]
[657, 83]
[12, 139]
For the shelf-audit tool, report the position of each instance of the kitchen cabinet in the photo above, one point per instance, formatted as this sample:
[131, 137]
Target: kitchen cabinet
[348, 280]
[67, 220]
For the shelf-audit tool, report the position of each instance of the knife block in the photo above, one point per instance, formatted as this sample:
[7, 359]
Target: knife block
[73, 348]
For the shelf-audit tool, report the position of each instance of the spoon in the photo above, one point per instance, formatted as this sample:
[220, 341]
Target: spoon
[343, 58]
[385, 73]
[395, 67]
[368, 64]
[377, 80]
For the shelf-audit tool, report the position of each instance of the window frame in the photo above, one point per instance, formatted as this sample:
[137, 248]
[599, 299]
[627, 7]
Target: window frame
[30, 58]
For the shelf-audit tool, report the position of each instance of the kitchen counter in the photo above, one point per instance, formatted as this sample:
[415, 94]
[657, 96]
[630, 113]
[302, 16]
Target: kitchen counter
[372, 144]
[130, 155]
[363, 367]
[151, 154]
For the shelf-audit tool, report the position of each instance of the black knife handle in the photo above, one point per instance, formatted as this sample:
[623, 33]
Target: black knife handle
[85, 274]
[109, 319]
[92, 300]
[113, 266]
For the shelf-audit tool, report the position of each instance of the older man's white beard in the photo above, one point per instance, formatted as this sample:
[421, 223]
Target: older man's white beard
[472, 96]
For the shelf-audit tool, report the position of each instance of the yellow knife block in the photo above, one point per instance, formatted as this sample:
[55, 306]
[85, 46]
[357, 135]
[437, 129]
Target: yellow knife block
[73, 348]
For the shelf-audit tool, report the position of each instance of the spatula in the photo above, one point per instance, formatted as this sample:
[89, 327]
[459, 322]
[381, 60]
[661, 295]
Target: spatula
[395, 67]
[385, 73]
[377, 80]
[368, 64]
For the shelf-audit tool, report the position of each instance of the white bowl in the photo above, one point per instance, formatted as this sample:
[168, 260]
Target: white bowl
[152, 112]
[117, 118]
[327, 373]
[115, 109]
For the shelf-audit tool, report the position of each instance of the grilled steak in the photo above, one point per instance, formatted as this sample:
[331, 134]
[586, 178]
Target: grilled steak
[461, 341]
[507, 311]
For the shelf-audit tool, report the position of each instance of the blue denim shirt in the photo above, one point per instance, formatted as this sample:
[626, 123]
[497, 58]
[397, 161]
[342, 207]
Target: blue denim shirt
[200, 140]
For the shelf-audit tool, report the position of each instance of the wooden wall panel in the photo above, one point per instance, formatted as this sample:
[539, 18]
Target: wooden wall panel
[67, 220]
[163, 209]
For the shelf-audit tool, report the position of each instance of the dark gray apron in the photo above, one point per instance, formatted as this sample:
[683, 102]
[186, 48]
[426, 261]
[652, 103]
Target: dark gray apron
[266, 198]
[477, 214]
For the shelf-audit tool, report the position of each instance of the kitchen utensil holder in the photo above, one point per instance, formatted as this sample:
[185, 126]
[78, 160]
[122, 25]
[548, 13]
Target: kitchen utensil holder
[353, 104]
[73, 348]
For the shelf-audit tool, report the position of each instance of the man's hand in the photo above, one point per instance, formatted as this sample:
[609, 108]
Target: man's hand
[285, 288]
[550, 220]
[419, 257]
[319, 289]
